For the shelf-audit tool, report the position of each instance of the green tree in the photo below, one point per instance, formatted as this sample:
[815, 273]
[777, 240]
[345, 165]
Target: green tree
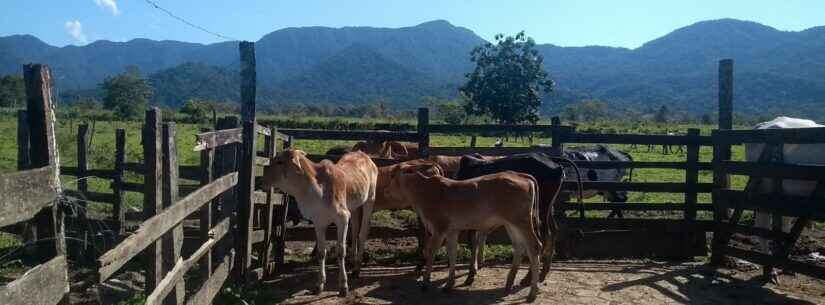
[12, 91]
[127, 94]
[198, 111]
[587, 110]
[508, 80]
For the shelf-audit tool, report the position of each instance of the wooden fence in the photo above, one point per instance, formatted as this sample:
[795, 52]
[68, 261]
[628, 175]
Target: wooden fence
[767, 173]
[31, 195]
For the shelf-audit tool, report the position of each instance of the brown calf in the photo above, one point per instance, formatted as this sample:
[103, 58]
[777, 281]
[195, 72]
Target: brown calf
[326, 193]
[485, 203]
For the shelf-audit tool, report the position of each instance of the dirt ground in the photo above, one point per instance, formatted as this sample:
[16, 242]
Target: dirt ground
[571, 282]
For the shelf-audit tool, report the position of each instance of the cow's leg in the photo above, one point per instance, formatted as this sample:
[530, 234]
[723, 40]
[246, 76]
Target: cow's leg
[363, 233]
[321, 255]
[422, 236]
[341, 224]
[477, 256]
[518, 253]
[433, 243]
[452, 248]
[355, 227]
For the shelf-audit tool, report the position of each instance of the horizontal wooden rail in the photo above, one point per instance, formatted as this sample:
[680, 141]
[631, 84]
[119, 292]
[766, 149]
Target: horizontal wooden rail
[489, 128]
[606, 138]
[634, 206]
[658, 225]
[154, 227]
[648, 187]
[44, 284]
[24, 193]
[218, 138]
[640, 164]
[488, 151]
[785, 135]
[334, 158]
[787, 171]
[356, 135]
[100, 173]
[134, 167]
[785, 205]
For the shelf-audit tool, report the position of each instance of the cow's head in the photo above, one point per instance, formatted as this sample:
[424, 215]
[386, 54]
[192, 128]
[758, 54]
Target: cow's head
[285, 167]
[404, 177]
[468, 166]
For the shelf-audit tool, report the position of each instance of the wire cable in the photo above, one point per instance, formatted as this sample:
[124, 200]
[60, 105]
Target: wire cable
[152, 3]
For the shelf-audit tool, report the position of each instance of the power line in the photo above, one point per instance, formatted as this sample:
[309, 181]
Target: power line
[152, 3]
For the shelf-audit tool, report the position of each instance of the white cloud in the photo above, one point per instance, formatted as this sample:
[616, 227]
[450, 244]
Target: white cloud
[110, 5]
[75, 29]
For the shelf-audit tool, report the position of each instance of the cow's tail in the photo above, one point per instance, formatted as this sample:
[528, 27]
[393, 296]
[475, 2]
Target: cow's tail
[536, 206]
[579, 184]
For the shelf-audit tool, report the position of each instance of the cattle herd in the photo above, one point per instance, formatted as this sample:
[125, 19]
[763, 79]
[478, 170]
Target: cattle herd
[468, 193]
[450, 194]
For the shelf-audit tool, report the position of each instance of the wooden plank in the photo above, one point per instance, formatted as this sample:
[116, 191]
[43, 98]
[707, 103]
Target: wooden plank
[118, 179]
[691, 176]
[493, 128]
[423, 135]
[206, 216]
[42, 142]
[82, 163]
[558, 134]
[772, 170]
[488, 151]
[726, 94]
[649, 187]
[99, 173]
[641, 164]
[153, 196]
[45, 284]
[190, 172]
[606, 138]
[354, 135]
[24, 194]
[632, 206]
[133, 187]
[153, 228]
[217, 138]
[257, 236]
[173, 240]
[135, 167]
[226, 162]
[210, 288]
[263, 130]
[261, 161]
[246, 170]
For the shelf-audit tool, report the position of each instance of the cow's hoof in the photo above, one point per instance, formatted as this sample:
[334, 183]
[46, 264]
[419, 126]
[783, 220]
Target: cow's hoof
[343, 292]
[469, 281]
[525, 282]
[531, 298]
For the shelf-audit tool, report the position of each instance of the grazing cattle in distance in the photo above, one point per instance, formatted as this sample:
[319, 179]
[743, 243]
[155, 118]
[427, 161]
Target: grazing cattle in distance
[802, 154]
[600, 153]
[546, 172]
[388, 149]
[485, 203]
[327, 193]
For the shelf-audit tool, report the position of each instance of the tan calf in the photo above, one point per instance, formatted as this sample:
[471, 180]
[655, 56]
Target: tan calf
[326, 193]
[448, 206]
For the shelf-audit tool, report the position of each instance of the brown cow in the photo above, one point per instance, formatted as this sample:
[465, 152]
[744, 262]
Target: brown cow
[326, 193]
[388, 149]
[485, 203]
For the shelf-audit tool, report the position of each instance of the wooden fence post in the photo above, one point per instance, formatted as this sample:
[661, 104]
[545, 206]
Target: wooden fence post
[281, 217]
[119, 179]
[206, 212]
[557, 139]
[722, 151]
[23, 161]
[152, 194]
[691, 193]
[473, 141]
[424, 132]
[270, 142]
[172, 241]
[226, 161]
[42, 145]
[246, 181]
[82, 163]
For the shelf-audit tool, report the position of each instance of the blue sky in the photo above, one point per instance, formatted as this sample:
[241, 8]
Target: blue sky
[627, 23]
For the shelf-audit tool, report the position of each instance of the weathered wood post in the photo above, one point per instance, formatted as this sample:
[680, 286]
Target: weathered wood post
[424, 132]
[556, 139]
[43, 151]
[722, 151]
[153, 192]
[281, 212]
[226, 161]
[23, 161]
[473, 141]
[270, 143]
[246, 182]
[172, 241]
[691, 192]
[82, 163]
[207, 168]
[119, 180]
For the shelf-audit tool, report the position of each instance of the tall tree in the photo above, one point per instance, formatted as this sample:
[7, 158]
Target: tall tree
[127, 94]
[508, 80]
[12, 91]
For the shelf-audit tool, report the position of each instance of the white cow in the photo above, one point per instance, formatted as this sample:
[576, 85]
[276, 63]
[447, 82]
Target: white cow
[803, 154]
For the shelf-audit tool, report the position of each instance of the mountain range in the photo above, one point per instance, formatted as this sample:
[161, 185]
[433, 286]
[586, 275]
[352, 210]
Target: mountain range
[775, 71]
